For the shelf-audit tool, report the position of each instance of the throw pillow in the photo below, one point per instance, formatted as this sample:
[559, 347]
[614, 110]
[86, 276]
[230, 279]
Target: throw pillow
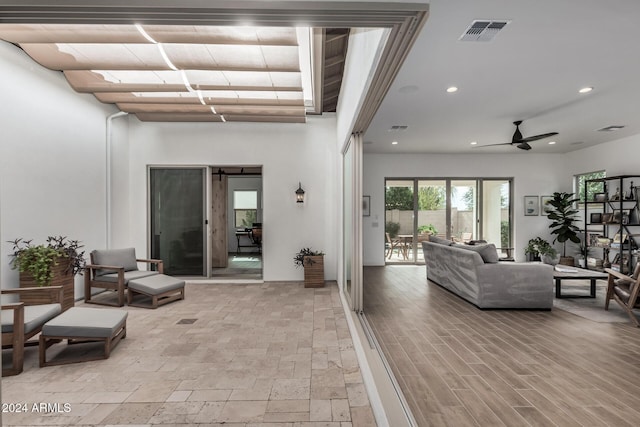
[488, 252]
[440, 240]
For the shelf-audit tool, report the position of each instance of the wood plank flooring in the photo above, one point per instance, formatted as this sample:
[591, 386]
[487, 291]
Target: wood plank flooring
[458, 365]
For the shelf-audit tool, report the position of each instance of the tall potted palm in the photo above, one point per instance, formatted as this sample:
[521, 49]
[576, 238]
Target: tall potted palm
[562, 214]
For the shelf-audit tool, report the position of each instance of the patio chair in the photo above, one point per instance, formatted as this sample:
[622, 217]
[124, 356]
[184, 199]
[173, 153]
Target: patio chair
[111, 269]
[393, 244]
[21, 321]
[625, 291]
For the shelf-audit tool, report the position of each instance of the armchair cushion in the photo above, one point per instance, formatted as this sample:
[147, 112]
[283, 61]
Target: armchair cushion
[34, 316]
[116, 257]
[128, 275]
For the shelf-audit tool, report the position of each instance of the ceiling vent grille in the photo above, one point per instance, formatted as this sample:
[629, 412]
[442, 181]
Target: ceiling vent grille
[398, 128]
[482, 31]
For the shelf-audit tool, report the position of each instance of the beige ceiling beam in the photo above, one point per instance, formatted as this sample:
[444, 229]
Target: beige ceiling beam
[220, 109]
[330, 14]
[199, 117]
[127, 97]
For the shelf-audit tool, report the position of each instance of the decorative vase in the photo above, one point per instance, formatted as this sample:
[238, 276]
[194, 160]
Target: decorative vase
[313, 271]
[61, 276]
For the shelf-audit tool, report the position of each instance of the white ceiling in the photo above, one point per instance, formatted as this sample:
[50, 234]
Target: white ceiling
[532, 71]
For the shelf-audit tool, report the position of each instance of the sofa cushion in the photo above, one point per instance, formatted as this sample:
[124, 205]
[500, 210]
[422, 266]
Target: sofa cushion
[155, 285]
[86, 323]
[115, 257]
[440, 240]
[34, 316]
[488, 252]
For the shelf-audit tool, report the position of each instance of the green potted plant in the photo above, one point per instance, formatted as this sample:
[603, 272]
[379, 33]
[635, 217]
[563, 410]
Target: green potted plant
[52, 264]
[313, 263]
[539, 249]
[562, 214]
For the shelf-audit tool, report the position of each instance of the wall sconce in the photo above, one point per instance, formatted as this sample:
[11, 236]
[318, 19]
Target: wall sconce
[299, 194]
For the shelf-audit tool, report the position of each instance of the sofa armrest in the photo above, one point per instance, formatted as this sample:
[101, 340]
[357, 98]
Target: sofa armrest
[158, 263]
[505, 283]
[52, 293]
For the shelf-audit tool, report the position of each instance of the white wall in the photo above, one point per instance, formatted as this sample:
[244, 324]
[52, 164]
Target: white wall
[533, 174]
[52, 159]
[620, 157]
[288, 154]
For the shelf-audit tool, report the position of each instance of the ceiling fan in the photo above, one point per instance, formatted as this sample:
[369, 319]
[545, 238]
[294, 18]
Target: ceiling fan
[519, 141]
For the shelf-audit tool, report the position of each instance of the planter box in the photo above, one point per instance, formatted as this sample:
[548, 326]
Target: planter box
[314, 271]
[59, 278]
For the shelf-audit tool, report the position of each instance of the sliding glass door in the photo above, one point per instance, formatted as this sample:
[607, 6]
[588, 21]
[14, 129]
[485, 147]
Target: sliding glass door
[457, 209]
[177, 219]
[496, 214]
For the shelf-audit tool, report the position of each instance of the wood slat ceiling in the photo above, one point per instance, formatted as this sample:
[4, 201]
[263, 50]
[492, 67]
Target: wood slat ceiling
[335, 52]
[176, 73]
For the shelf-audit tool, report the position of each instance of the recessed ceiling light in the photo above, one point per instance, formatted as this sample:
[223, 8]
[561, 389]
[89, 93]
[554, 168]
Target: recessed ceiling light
[586, 89]
[452, 89]
[552, 142]
[394, 143]
[474, 142]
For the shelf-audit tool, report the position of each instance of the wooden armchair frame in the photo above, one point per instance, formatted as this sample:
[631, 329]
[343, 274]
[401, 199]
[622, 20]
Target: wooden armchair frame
[93, 281]
[619, 286]
[17, 339]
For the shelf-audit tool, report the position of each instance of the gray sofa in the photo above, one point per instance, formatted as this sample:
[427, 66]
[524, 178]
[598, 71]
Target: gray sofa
[474, 273]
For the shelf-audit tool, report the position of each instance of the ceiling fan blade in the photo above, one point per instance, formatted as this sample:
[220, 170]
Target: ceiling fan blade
[492, 145]
[524, 146]
[535, 137]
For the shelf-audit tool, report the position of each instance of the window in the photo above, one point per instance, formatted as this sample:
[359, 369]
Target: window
[245, 207]
[594, 187]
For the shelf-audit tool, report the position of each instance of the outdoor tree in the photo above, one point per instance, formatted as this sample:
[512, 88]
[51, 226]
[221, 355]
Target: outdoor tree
[399, 198]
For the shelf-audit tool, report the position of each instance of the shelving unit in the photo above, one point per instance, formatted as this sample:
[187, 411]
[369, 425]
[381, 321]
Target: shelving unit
[610, 219]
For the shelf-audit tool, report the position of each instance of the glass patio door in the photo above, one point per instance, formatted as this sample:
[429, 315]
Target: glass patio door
[177, 219]
[496, 214]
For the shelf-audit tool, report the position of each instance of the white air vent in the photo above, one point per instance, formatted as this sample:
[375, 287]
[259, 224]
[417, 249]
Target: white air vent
[482, 30]
[611, 128]
[397, 128]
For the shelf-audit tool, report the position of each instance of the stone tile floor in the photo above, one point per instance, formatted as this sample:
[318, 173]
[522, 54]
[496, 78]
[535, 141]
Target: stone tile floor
[257, 355]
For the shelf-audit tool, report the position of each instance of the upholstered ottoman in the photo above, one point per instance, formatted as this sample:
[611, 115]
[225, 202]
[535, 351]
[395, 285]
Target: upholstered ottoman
[162, 289]
[80, 324]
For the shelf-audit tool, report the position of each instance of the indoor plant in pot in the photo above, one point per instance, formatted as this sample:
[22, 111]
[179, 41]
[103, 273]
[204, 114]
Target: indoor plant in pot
[52, 264]
[313, 263]
[563, 217]
[539, 249]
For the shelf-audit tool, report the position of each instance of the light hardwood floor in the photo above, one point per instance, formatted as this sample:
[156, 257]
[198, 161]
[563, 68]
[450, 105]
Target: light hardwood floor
[461, 366]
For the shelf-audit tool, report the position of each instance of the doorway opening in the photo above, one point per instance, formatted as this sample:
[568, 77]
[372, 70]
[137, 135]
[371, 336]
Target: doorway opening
[236, 222]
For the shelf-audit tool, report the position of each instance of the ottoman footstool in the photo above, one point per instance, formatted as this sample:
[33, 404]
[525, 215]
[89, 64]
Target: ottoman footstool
[80, 324]
[162, 289]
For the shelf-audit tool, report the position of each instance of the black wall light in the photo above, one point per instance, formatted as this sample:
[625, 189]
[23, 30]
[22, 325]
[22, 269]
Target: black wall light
[299, 194]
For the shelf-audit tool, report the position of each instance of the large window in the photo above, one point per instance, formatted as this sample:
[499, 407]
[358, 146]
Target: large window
[245, 208]
[592, 188]
[458, 209]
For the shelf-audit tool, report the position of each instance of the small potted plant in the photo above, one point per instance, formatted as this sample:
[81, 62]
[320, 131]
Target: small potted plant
[313, 263]
[539, 249]
[52, 264]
